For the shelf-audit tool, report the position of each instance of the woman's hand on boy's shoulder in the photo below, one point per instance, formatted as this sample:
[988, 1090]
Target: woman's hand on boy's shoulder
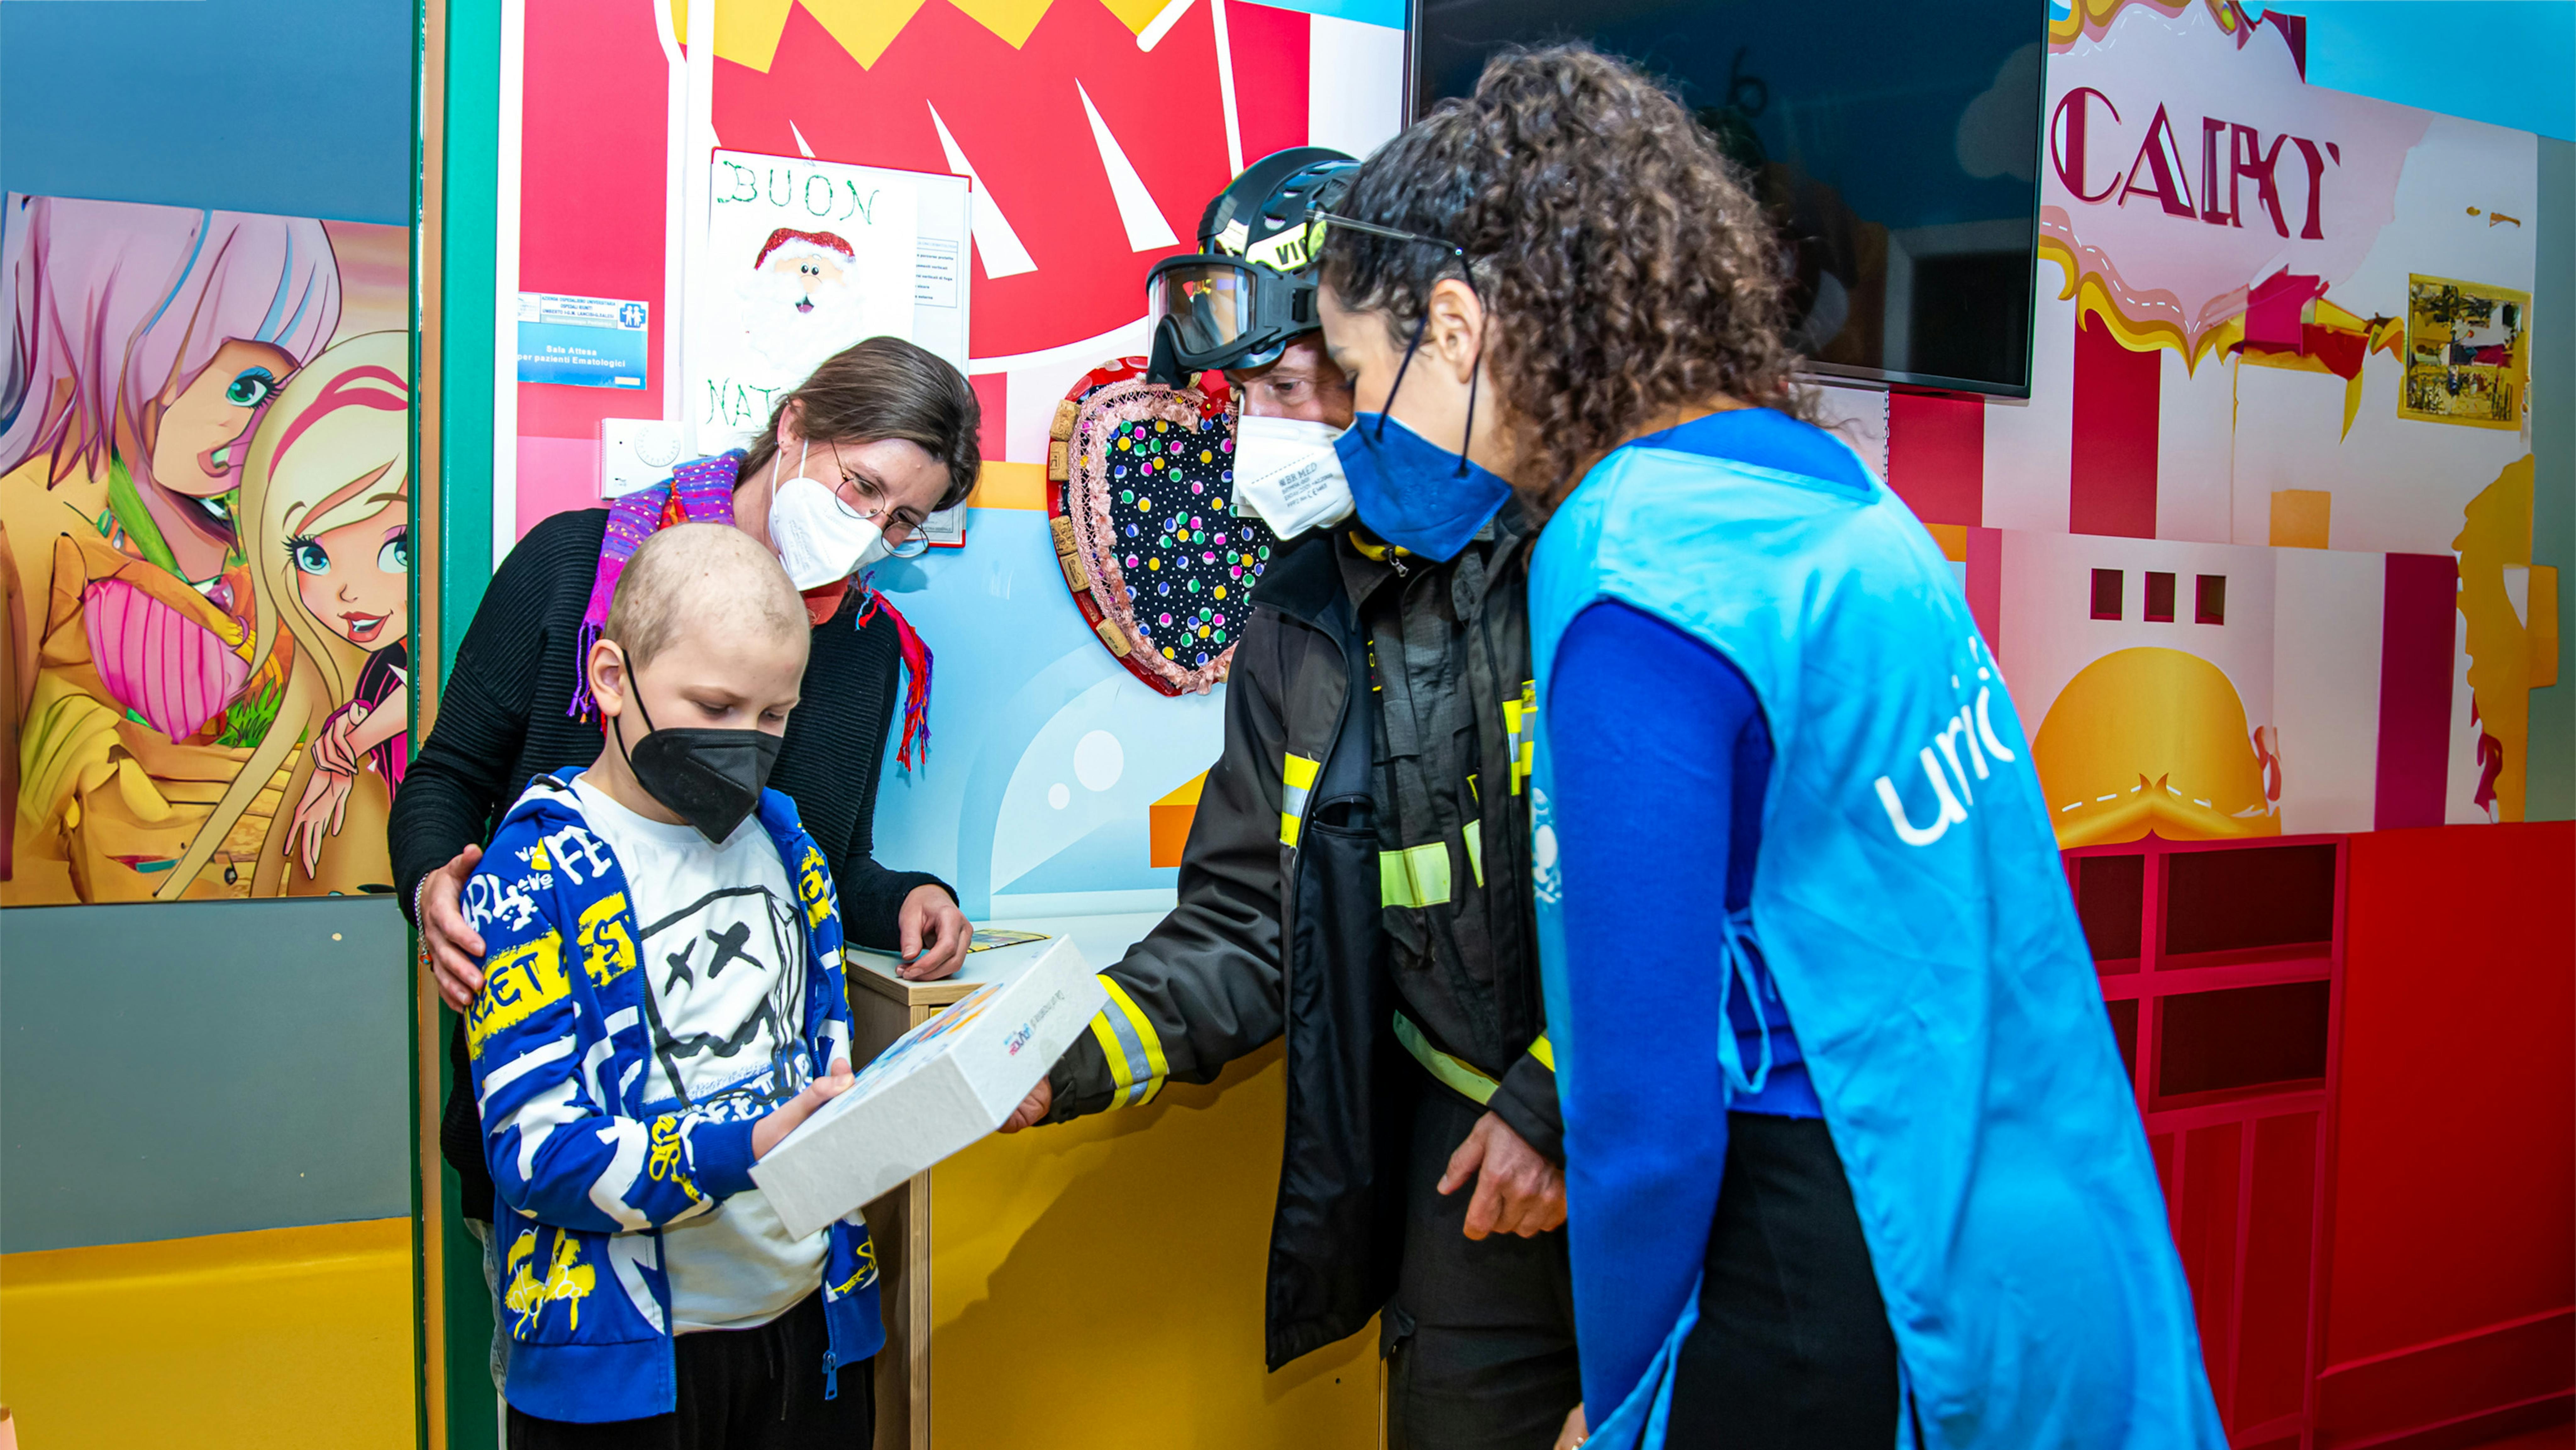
[455, 948]
[934, 934]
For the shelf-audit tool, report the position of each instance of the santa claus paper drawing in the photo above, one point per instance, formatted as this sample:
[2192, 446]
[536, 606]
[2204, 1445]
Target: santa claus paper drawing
[799, 302]
[805, 258]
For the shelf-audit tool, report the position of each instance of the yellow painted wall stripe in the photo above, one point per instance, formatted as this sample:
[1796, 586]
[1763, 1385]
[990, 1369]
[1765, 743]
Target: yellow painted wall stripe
[243, 1339]
[1002, 485]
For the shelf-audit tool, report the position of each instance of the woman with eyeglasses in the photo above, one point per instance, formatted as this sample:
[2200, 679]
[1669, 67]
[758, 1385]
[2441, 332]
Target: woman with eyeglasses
[853, 461]
[1850, 1156]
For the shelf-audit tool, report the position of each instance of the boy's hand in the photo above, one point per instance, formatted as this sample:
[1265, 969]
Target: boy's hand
[1032, 1109]
[934, 935]
[783, 1119]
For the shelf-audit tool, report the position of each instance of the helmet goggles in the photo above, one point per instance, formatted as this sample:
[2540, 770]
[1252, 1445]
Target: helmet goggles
[1215, 311]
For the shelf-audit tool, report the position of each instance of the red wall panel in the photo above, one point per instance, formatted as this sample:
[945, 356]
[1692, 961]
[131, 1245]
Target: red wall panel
[590, 194]
[1936, 456]
[2452, 1259]
[2111, 485]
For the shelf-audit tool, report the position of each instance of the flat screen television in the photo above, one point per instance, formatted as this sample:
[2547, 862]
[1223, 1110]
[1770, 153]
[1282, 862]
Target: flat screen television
[1895, 146]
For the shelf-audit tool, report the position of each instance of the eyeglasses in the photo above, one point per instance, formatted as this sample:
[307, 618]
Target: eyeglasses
[1467, 275]
[914, 544]
[1323, 221]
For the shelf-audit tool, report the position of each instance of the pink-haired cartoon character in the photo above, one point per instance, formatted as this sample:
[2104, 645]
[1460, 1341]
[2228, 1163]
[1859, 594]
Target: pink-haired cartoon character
[140, 347]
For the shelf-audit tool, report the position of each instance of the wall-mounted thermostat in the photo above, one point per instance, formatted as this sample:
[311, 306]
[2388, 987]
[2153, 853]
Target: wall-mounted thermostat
[635, 453]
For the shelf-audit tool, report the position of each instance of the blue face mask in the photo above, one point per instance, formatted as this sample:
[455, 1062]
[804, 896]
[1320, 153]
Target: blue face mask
[1412, 492]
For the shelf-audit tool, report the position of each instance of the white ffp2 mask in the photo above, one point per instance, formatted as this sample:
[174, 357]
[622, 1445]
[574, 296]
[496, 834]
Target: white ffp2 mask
[1286, 471]
[817, 538]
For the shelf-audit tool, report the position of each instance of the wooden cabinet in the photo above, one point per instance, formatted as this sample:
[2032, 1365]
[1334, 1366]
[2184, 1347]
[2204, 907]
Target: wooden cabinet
[2222, 966]
[1100, 1282]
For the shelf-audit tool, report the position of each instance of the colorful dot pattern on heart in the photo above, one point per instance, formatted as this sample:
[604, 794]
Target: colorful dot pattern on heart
[1152, 501]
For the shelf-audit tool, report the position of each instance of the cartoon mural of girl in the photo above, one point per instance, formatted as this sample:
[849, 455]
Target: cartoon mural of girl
[325, 510]
[143, 345]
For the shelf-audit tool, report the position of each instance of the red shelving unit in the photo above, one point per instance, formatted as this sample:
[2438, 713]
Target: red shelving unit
[2222, 964]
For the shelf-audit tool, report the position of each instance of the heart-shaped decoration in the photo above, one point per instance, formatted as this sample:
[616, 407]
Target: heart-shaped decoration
[1142, 503]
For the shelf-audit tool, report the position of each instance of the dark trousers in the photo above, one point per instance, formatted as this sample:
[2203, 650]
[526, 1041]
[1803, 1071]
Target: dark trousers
[740, 1389]
[1792, 1347]
[1480, 1336]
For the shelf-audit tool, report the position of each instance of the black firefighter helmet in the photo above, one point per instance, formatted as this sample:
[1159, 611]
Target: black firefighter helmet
[1250, 290]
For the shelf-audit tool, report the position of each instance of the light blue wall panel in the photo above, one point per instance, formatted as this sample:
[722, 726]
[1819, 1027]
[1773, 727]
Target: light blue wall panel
[200, 1068]
[298, 107]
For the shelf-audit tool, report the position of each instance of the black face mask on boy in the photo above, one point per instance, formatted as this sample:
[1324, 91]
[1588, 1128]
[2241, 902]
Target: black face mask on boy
[712, 778]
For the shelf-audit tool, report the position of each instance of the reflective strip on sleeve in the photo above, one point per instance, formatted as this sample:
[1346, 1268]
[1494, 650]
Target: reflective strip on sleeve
[1474, 834]
[1414, 876]
[1524, 733]
[1131, 1045]
[1296, 780]
[1545, 1052]
[1453, 1071]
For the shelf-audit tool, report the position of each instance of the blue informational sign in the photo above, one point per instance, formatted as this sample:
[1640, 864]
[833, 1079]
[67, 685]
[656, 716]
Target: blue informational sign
[584, 342]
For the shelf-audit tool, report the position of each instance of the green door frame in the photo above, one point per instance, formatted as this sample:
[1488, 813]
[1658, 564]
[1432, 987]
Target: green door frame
[457, 140]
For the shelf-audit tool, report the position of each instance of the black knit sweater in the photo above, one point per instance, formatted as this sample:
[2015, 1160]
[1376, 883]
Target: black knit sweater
[502, 720]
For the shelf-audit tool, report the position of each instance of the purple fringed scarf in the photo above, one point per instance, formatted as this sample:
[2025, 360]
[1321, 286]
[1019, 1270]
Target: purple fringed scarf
[695, 493]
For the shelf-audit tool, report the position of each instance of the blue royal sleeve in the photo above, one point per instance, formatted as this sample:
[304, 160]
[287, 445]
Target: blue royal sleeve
[537, 1040]
[1643, 721]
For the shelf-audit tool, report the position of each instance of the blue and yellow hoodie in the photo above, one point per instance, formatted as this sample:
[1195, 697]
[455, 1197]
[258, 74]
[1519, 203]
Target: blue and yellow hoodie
[587, 1172]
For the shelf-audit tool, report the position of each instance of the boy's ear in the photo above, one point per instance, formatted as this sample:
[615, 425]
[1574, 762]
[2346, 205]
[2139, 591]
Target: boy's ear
[608, 681]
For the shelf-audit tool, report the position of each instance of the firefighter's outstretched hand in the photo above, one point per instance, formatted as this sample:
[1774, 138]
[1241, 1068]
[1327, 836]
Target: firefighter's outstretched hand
[1032, 1109]
[783, 1119]
[1517, 1190]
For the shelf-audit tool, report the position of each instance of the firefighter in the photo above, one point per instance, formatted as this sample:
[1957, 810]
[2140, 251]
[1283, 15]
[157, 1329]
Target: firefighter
[1357, 880]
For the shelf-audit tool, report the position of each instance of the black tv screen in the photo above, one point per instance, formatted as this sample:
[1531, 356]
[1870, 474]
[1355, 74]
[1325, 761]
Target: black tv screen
[1895, 147]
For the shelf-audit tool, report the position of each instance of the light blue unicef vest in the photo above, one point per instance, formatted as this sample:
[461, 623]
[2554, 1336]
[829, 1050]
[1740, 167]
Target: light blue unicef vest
[1910, 904]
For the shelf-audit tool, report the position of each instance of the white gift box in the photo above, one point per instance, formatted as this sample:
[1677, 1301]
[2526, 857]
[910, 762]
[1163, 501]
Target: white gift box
[938, 1089]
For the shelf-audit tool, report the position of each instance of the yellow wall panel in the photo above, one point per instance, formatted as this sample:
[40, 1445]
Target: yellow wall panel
[298, 1336]
[1100, 1284]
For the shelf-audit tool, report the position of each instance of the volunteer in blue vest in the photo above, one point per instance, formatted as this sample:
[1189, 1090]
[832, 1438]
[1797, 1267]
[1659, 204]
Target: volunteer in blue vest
[1851, 1159]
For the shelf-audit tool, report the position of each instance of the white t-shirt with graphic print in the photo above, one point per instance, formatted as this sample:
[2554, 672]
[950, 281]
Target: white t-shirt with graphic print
[723, 954]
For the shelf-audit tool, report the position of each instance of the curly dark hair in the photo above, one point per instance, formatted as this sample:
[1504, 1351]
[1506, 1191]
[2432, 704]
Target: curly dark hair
[1625, 266]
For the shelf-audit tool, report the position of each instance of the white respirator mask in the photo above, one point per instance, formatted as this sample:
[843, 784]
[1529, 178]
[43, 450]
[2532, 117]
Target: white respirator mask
[817, 538]
[1285, 471]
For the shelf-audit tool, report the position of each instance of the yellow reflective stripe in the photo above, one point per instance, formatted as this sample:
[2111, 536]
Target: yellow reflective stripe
[1133, 1048]
[1545, 1052]
[1296, 782]
[1415, 876]
[1474, 832]
[1453, 1071]
[1156, 1065]
[1520, 723]
[1121, 1072]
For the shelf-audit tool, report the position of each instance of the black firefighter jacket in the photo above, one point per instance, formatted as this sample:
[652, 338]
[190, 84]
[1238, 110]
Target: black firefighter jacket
[1279, 929]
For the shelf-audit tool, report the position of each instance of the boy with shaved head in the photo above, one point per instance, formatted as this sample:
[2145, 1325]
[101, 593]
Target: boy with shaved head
[662, 1002]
